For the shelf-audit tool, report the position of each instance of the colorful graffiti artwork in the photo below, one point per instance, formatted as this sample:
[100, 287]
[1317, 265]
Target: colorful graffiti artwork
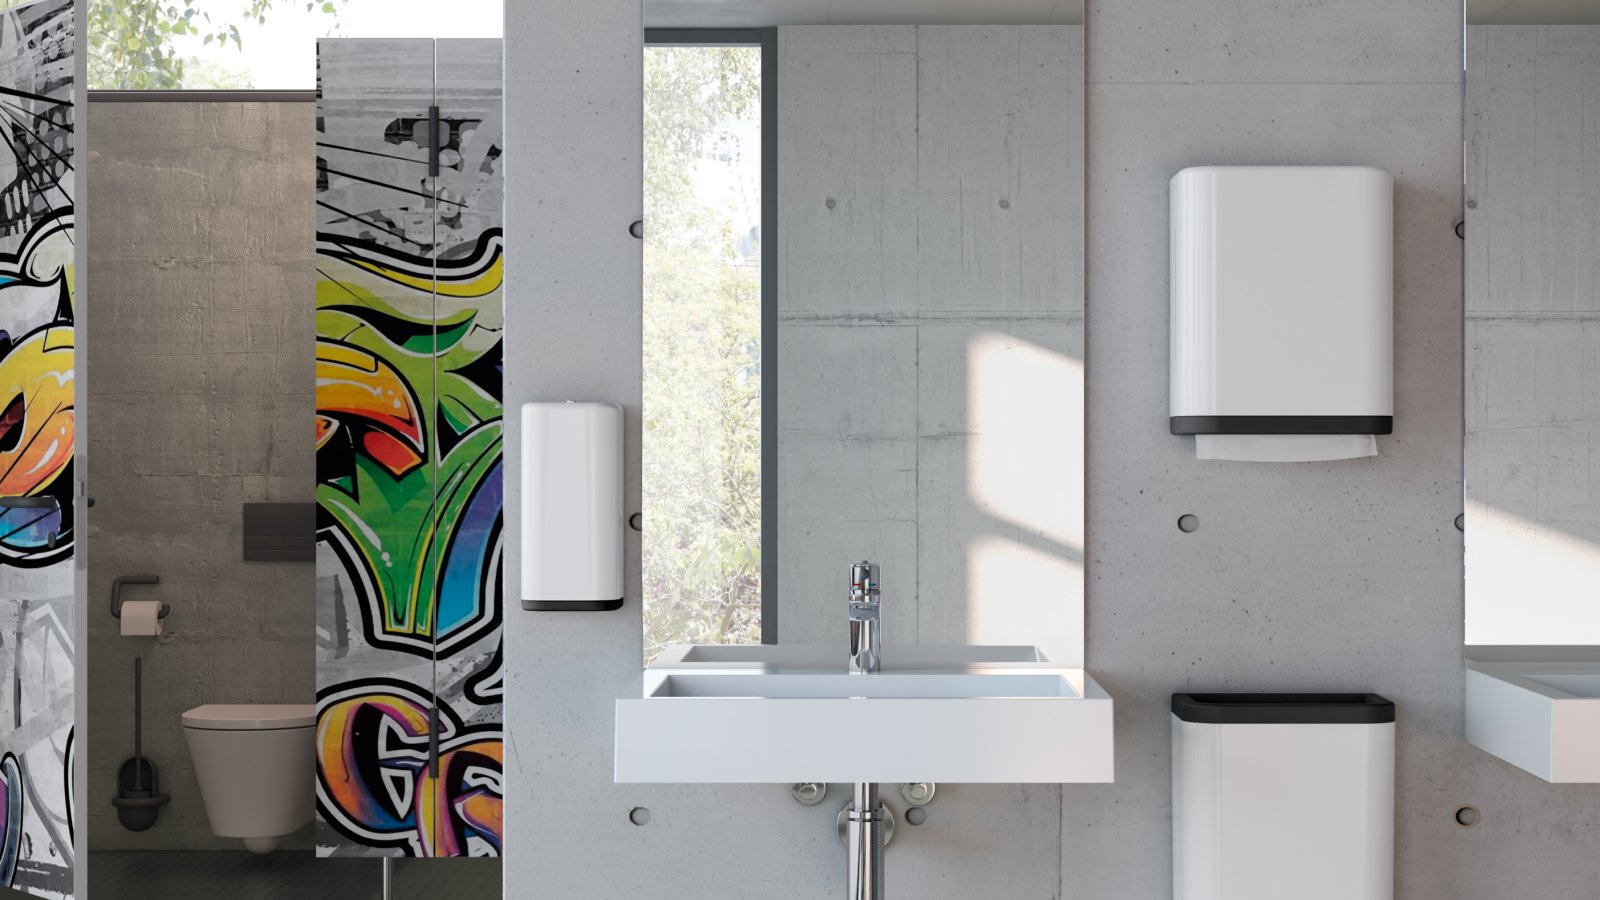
[37, 436]
[457, 808]
[408, 438]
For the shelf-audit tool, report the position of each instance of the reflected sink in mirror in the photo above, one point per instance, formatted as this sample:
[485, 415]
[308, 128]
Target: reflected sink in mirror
[1585, 686]
[1543, 717]
[792, 713]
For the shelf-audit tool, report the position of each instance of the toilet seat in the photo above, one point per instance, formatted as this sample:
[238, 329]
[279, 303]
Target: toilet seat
[250, 717]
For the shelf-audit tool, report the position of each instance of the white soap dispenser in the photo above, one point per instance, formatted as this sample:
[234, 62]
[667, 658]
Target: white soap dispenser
[572, 506]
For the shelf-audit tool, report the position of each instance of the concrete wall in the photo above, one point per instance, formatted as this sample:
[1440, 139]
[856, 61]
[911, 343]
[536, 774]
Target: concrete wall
[201, 383]
[1313, 577]
[1533, 333]
[1318, 576]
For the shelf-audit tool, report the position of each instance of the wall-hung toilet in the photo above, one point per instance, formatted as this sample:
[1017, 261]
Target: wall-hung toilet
[256, 764]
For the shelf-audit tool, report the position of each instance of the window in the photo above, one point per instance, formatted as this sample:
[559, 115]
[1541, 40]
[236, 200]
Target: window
[703, 313]
[254, 44]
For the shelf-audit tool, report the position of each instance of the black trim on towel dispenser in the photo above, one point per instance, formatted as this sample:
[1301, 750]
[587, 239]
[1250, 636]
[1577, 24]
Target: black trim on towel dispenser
[1283, 709]
[572, 605]
[1282, 424]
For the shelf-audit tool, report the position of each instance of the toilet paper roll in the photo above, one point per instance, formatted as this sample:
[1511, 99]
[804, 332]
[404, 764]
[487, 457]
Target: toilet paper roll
[141, 618]
[1284, 447]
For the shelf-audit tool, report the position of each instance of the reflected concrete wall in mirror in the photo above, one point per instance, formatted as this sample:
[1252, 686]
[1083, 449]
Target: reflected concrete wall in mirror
[930, 349]
[1532, 472]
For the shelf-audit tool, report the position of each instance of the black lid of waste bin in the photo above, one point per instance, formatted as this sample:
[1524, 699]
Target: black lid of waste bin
[1291, 709]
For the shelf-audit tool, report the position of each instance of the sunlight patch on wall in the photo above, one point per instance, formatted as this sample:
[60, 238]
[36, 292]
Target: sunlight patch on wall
[1017, 594]
[1025, 473]
[1539, 586]
[1025, 409]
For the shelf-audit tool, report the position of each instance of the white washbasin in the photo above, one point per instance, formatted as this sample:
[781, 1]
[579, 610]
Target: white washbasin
[788, 713]
[1543, 717]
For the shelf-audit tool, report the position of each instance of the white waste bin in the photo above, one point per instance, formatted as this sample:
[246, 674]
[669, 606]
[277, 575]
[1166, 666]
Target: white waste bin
[1278, 796]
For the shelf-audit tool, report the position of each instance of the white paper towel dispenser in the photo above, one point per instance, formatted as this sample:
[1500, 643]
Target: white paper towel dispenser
[572, 507]
[1282, 308]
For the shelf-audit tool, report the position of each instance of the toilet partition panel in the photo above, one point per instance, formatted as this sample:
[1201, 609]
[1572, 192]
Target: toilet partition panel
[469, 324]
[409, 320]
[37, 434]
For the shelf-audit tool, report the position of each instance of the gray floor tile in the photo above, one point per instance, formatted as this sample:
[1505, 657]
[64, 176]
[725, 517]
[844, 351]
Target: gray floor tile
[238, 875]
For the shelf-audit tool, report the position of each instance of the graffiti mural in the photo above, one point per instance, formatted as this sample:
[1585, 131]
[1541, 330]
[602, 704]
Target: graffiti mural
[36, 447]
[373, 793]
[408, 437]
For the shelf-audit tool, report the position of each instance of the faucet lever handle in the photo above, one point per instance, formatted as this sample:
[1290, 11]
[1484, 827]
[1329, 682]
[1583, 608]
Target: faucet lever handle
[865, 644]
[864, 582]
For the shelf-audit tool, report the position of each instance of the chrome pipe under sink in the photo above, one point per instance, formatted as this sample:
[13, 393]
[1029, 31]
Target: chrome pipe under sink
[864, 835]
[864, 820]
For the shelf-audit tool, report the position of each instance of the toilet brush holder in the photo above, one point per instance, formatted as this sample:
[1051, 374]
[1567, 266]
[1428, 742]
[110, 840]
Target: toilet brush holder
[139, 798]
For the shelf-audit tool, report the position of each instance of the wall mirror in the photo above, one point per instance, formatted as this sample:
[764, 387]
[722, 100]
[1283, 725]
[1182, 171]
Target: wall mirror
[1532, 228]
[863, 320]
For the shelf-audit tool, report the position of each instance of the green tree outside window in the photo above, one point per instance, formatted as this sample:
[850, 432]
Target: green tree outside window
[702, 355]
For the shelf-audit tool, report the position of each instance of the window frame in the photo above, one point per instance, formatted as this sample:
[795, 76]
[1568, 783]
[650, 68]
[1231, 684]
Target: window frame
[767, 40]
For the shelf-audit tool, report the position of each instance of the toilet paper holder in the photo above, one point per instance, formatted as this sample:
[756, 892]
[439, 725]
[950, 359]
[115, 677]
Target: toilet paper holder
[116, 593]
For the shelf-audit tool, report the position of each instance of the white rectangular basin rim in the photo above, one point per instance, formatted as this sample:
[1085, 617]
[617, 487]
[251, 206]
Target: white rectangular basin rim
[955, 733]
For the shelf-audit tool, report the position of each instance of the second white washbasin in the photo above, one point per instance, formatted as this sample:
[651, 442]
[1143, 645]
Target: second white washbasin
[792, 713]
[1541, 716]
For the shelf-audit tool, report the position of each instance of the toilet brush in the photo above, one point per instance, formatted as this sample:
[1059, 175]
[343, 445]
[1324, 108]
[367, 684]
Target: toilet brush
[139, 798]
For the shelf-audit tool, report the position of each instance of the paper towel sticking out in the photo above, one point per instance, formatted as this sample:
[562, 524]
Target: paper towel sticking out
[1284, 447]
[141, 618]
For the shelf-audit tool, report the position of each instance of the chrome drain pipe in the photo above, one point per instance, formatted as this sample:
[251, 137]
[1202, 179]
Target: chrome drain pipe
[864, 836]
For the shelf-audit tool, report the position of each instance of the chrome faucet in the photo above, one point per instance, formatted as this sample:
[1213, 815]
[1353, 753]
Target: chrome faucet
[866, 820]
[865, 643]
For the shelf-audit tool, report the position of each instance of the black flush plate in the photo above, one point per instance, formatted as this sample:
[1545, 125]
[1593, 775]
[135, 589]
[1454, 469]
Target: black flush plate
[280, 532]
